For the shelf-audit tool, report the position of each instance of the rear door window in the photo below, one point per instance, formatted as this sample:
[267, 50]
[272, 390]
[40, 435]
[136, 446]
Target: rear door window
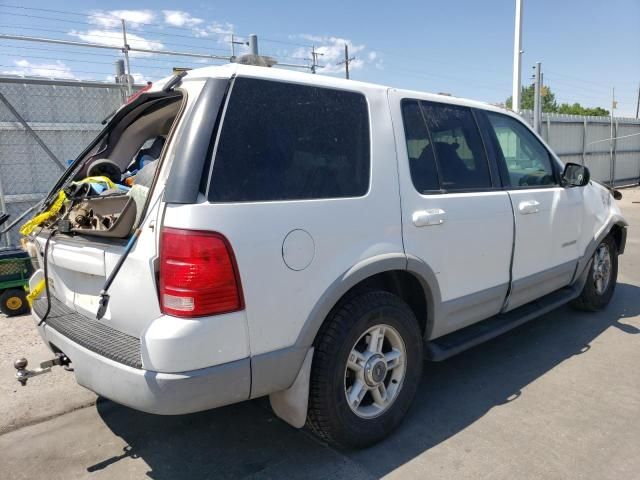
[283, 141]
[444, 146]
[460, 154]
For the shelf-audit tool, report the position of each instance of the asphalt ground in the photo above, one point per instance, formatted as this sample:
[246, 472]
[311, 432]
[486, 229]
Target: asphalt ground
[558, 398]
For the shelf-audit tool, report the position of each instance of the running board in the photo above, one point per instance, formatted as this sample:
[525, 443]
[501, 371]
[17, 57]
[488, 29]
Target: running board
[453, 343]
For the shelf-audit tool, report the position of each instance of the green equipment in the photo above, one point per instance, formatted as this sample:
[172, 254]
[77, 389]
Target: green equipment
[15, 270]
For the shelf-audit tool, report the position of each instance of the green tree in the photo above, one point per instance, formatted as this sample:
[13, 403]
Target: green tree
[549, 104]
[577, 109]
[527, 95]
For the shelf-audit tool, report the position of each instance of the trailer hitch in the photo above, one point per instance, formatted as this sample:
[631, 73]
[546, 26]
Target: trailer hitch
[22, 374]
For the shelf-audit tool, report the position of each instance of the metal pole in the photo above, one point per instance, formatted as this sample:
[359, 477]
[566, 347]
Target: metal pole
[541, 97]
[253, 44]
[517, 59]
[638, 104]
[346, 61]
[119, 65]
[233, 47]
[3, 209]
[613, 106]
[615, 155]
[313, 59]
[536, 98]
[584, 141]
[119, 77]
[125, 50]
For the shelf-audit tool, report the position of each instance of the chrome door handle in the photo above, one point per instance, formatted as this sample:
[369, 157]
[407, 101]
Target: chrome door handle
[425, 218]
[529, 207]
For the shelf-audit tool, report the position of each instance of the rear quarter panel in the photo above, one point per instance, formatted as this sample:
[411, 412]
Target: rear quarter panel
[345, 231]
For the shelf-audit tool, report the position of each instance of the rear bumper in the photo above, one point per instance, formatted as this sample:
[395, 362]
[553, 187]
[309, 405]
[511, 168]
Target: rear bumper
[149, 391]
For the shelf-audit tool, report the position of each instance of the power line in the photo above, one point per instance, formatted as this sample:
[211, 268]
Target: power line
[114, 55]
[112, 34]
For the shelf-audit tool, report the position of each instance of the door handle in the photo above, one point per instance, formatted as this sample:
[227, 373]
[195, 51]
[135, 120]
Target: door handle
[425, 218]
[529, 207]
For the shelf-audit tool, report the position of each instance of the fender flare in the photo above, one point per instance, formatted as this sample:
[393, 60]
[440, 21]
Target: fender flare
[583, 262]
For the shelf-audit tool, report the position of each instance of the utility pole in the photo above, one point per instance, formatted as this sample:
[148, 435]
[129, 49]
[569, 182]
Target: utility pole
[540, 102]
[517, 59]
[314, 58]
[125, 50]
[638, 104]
[536, 97]
[346, 61]
[235, 42]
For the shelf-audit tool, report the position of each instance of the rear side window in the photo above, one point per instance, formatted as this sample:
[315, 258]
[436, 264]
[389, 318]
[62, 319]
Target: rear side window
[445, 148]
[282, 141]
[422, 162]
[462, 160]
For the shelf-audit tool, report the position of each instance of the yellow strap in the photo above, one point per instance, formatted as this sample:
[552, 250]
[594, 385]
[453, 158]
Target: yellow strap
[35, 293]
[39, 219]
[99, 179]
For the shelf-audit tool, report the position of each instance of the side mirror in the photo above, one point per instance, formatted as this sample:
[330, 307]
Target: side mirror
[575, 175]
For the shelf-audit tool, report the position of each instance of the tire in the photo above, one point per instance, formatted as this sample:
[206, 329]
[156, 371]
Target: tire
[14, 302]
[353, 325]
[593, 296]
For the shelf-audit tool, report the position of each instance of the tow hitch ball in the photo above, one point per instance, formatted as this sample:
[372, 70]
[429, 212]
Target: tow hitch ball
[22, 374]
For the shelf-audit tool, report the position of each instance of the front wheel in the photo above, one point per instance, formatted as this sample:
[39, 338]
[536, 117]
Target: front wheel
[602, 278]
[14, 302]
[366, 369]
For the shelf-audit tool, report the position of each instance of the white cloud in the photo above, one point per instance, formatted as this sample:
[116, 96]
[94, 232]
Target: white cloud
[56, 69]
[140, 78]
[111, 18]
[220, 31]
[178, 18]
[113, 38]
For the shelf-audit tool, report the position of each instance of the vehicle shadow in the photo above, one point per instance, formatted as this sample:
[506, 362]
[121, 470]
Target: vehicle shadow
[247, 440]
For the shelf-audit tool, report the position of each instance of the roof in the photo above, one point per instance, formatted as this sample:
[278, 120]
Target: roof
[288, 75]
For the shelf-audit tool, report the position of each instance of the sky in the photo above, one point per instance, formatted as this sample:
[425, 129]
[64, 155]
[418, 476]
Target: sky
[465, 48]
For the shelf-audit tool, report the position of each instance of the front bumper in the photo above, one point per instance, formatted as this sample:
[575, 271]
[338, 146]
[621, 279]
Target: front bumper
[110, 368]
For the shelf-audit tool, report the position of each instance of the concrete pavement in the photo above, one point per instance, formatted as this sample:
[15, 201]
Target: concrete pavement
[556, 398]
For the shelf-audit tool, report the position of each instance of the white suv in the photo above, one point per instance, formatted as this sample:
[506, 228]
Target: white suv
[312, 239]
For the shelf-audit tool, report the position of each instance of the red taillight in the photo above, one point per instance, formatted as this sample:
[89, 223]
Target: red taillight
[198, 274]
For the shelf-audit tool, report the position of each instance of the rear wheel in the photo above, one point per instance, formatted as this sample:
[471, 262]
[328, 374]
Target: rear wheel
[14, 302]
[602, 277]
[366, 369]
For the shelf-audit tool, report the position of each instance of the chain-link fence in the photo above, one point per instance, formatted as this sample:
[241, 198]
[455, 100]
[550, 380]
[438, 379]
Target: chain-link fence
[611, 149]
[43, 124]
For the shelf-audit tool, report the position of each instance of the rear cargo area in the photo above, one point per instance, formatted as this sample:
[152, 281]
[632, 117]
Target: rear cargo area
[87, 226]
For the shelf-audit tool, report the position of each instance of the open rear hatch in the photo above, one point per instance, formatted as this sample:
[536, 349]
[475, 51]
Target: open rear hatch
[87, 223]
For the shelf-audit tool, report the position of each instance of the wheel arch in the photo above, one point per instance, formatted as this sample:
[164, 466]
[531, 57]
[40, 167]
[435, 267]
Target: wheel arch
[406, 276]
[617, 227]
